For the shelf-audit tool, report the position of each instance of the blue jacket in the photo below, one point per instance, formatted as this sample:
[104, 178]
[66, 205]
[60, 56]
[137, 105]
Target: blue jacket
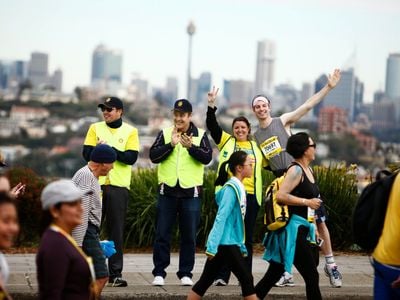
[228, 228]
[280, 245]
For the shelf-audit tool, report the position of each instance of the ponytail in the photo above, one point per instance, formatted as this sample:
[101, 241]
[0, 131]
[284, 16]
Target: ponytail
[237, 158]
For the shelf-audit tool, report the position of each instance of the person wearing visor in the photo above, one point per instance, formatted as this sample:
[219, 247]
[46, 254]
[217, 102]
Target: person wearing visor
[124, 139]
[181, 151]
[272, 136]
[63, 269]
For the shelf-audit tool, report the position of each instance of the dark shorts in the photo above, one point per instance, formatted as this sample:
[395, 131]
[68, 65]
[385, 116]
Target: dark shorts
[91, 246]
[320, 214]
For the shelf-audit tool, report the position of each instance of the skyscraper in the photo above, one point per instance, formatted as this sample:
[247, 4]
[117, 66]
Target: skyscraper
[106, 66]
[265, 67]
[393, 76]
[347, 95]
[38, 72]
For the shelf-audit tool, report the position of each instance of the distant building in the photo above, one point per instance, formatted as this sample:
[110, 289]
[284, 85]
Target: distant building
[392, 89]
[203, 87]
[286, 98]
[56, 80]
[26, 113]
[238, 92]
[171, 90]
[332, 120]
[384, 114]
[265, 67]
[38, 71]
[306, 92]
[106, 67]
[12, 73]
[348, 94]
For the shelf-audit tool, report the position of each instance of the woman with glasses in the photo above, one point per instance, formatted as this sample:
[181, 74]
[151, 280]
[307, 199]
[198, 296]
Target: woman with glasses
[292, 245]
[227, 144]
[225, 243]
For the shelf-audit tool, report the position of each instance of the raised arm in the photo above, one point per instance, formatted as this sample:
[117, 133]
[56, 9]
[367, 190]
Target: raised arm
[211, 120]
[293, 116]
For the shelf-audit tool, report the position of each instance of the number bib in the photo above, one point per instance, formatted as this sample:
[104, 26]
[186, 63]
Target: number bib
[271, 147]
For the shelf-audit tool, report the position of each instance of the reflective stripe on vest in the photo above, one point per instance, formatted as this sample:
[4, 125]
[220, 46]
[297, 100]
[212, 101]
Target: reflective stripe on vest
[180, 165]
[229, 147]
[121, 174]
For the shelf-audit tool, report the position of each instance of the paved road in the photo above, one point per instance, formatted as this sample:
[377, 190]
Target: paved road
[356, 270]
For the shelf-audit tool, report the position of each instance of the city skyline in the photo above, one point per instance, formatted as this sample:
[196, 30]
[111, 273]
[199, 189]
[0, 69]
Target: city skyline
[311, 38]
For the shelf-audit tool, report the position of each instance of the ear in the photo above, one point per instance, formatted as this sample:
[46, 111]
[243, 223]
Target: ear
[55, 213]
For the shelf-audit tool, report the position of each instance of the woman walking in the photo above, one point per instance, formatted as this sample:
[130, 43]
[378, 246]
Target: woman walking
[292, 244]
[225, 244]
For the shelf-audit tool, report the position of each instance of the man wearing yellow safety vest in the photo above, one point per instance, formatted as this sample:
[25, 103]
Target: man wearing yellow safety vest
[181, 151]
[124, 139]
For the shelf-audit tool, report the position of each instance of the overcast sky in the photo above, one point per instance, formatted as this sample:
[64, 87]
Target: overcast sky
[312, 37]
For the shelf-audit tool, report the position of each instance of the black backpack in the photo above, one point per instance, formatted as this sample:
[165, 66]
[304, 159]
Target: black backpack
[370, 210]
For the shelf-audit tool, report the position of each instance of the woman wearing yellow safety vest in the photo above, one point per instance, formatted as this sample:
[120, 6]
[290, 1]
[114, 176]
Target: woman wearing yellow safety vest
[227, 144]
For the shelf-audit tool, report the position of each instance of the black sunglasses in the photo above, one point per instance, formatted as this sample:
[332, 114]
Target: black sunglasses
[109, 109]
[313, 145]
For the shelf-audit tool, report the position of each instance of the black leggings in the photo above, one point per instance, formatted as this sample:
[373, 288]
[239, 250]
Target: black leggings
[304, 261]
[229, 255]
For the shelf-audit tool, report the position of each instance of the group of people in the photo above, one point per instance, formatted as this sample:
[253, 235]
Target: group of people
[71, 261]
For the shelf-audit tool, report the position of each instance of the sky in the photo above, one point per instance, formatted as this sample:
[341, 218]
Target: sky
[312, 37]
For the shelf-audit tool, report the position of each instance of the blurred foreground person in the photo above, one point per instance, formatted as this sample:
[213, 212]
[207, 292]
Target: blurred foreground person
[8, 231]
[63, 269]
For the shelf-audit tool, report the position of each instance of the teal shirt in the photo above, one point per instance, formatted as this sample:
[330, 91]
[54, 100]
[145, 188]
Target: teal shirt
[228, 227]
[280, 245]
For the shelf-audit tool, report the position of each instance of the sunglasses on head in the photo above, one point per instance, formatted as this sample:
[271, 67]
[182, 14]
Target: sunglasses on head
[313, 145]
[109, 109]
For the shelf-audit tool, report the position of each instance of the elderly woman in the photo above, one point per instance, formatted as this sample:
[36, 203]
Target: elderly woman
[300, 192]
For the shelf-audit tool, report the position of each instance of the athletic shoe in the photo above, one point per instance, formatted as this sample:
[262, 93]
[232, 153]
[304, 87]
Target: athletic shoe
[117, 282]
[334, 275]
[186, 281]
[219, 282]
[158, 281]
[285, 281]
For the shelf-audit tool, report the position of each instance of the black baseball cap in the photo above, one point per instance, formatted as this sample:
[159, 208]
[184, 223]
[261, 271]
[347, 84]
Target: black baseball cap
[112, 102]
[183, 105]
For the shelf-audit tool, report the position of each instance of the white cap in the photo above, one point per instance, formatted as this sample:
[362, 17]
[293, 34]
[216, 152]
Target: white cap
[59, 191]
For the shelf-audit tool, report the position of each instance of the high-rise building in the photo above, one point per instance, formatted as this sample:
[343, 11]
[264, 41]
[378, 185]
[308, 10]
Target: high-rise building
[38, 72]
[171, 90]
[347, 95]
[203, 87]
[393, 76]
[56, 80]
[238, 92]
[106, 66]
[12, 73]
[265, 67]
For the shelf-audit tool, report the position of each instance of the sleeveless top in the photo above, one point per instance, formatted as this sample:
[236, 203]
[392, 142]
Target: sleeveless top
[272, 141]
[305, 189]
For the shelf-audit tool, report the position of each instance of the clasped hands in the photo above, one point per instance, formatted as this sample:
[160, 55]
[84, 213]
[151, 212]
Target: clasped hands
[182, 138]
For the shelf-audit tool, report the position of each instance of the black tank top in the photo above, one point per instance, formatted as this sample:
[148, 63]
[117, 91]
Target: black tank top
[305, 189]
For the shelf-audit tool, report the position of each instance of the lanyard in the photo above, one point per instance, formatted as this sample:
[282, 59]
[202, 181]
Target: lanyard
[88, 259]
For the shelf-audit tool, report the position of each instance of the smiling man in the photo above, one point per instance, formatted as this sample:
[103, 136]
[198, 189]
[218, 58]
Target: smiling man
[124, 139]
[181, 151]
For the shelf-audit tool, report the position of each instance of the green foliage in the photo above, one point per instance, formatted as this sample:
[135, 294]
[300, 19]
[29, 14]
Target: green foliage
[337, 185]
[28, 205]
[338, 188]
[141, 214]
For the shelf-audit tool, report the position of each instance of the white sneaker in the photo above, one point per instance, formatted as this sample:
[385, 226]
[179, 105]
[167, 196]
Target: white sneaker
[219, 282]
[335, 277]
[158, 280]
[285, 281]
[186, 281]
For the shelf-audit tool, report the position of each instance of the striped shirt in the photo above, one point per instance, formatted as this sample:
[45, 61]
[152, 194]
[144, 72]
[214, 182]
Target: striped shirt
[91, 204]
